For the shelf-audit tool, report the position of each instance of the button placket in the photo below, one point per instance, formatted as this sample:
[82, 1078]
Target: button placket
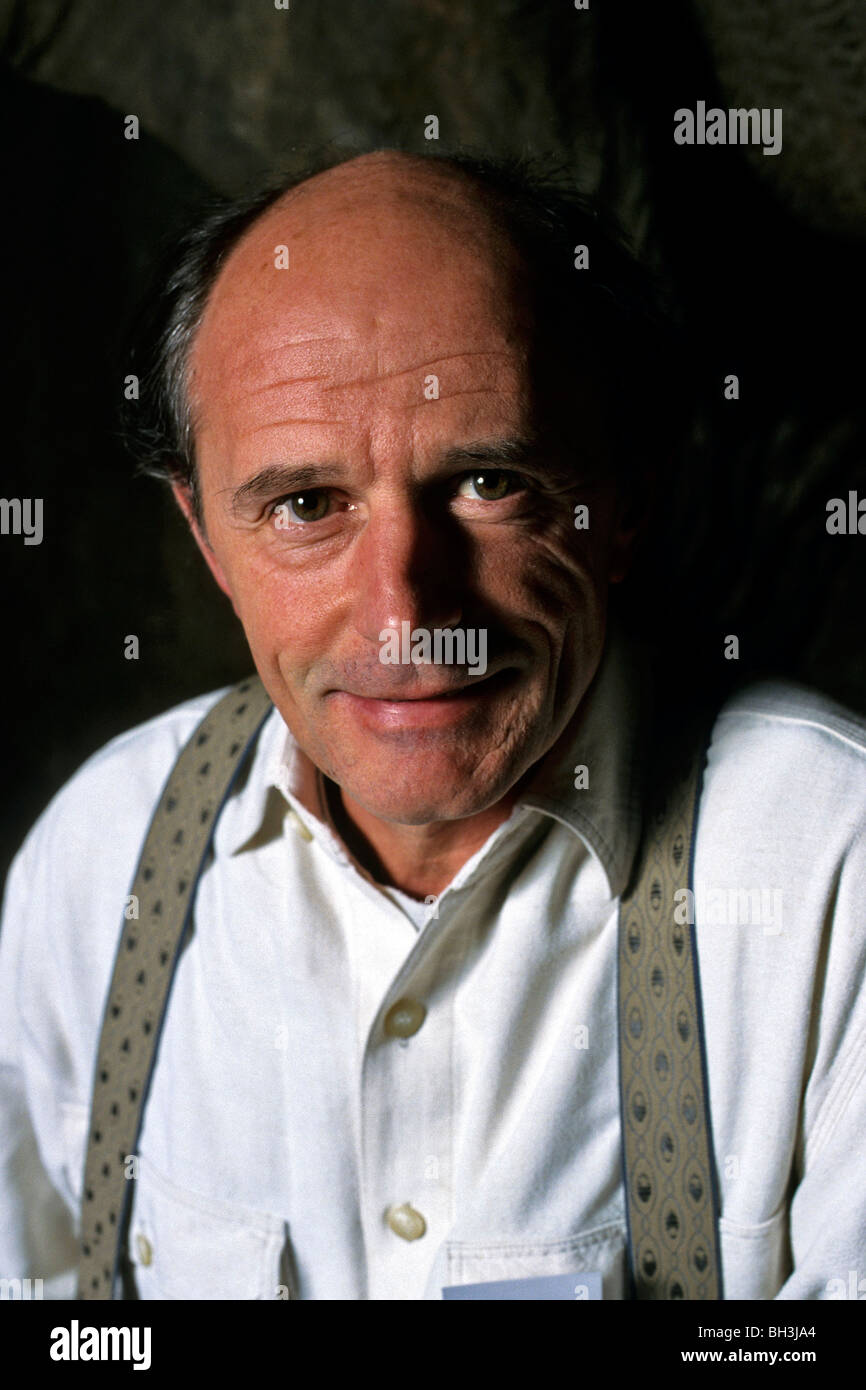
[143, 1249]
[406, 1222]
[406, 1113]
[404, 1019]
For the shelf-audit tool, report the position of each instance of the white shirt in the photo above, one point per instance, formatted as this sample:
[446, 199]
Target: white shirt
[285, 1121]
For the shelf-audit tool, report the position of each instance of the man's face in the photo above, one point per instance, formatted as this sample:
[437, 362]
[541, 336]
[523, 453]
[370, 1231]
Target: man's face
[370, 455]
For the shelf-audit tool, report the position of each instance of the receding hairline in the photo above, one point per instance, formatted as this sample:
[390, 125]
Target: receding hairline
[402, 171]
[469, 216]
[438, 188]
[543, 214]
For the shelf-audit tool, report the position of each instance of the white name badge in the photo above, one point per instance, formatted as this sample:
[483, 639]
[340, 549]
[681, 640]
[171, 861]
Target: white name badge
[574, 1288]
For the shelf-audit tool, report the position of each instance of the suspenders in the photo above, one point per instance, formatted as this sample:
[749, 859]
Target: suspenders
[667, 1154]
[171, 862]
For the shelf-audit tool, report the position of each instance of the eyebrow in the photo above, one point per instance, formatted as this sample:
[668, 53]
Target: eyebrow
[517, 452]
[284, 478]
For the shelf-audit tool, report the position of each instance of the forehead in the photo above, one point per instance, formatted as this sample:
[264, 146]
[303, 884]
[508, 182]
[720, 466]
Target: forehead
[370, 276]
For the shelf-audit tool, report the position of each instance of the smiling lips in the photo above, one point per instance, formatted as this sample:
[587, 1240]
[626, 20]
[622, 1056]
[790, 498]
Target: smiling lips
[443, 693]
[423, 708]
[413, 699]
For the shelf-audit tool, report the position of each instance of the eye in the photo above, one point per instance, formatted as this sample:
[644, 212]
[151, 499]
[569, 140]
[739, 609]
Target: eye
[304, 506]
[490, 485]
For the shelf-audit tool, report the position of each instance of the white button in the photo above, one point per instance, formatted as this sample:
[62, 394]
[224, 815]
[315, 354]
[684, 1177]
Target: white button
[404, 1018]
[406, 1222]
[302, 830]
[144, 1250]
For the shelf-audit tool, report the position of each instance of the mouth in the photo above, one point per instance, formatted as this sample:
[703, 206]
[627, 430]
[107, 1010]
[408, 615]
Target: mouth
[435, 706]
[446, 692]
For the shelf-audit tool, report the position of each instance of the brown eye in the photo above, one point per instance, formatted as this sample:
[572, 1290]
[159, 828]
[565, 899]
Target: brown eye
[308, 506]
[491, 485]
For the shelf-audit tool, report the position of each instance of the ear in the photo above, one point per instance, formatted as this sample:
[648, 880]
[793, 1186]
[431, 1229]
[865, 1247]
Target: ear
[636, 505]
[183, 498]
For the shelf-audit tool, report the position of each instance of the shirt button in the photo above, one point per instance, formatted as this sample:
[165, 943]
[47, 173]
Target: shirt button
[405, 1221]
[298, 824]
[144, 1249]
[404, 1018]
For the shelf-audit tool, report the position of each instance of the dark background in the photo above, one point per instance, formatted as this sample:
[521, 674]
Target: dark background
[763, 255]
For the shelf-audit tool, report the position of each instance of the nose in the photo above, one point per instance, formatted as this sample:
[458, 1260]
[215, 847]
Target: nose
[407, 569]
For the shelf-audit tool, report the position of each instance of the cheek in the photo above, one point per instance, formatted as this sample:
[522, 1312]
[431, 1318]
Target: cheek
[288, 616]
[548, 571]
[539, 575]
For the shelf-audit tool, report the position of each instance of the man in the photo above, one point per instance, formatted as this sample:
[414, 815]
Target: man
[389, 1062]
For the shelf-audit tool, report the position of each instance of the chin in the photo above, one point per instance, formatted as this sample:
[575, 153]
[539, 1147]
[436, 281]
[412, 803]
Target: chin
[417, 804]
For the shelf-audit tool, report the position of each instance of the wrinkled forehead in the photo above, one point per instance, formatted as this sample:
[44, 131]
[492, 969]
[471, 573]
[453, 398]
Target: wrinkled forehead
[376, 263]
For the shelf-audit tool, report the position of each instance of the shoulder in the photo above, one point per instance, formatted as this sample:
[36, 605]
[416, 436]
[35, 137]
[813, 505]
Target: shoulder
[116, 790]
[784, 750]
[67, 889]
[794, 714]
[779, 877]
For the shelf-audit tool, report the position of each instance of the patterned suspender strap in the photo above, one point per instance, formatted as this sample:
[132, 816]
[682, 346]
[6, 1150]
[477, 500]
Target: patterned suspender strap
[165, 881]
[668, 1166]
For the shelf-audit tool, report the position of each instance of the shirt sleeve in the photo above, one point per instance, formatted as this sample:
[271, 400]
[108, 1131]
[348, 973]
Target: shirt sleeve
[37, 1228]
[828, 1203]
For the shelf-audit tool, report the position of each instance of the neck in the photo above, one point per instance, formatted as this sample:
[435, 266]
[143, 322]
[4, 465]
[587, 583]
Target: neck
[420, 860]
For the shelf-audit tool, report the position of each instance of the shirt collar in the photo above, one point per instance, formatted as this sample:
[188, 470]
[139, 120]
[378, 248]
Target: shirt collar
[603, 741]
[603, 737]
